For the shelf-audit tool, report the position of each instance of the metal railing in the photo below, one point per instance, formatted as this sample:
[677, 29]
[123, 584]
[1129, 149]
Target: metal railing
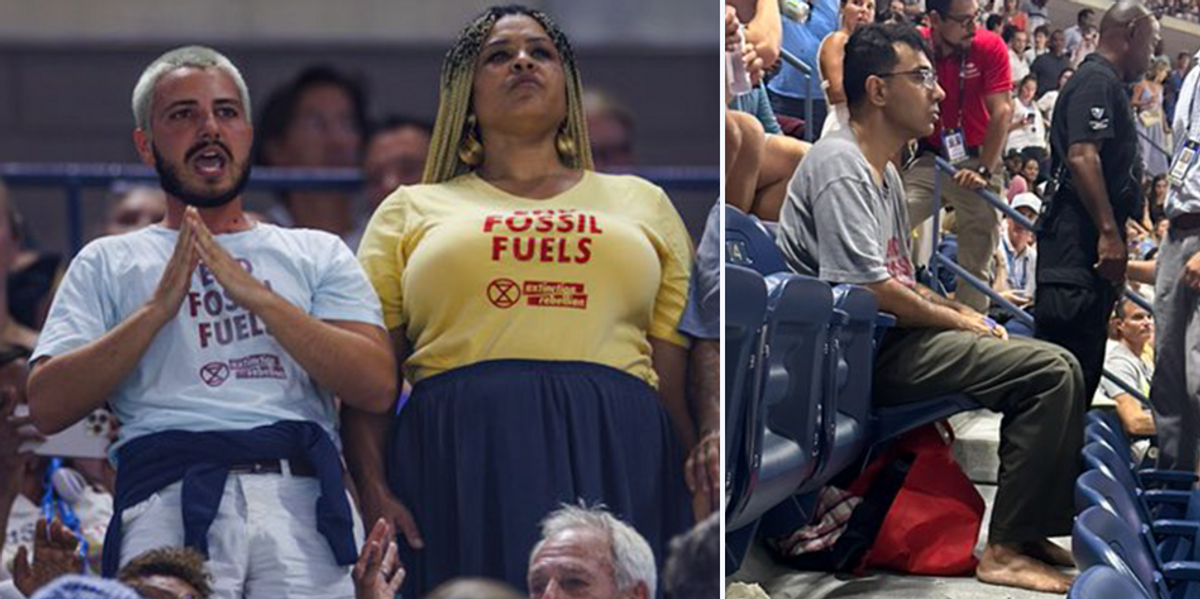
[943, 167]
[74, 178]
[803, 67]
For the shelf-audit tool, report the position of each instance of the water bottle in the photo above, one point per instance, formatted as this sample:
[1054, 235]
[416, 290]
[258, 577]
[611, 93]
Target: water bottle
[795, 10]
[739, 77]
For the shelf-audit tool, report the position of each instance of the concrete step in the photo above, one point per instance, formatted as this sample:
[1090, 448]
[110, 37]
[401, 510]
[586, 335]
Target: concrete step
[977, 444]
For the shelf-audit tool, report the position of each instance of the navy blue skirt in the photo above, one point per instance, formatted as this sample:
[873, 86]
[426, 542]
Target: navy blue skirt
[480, 454]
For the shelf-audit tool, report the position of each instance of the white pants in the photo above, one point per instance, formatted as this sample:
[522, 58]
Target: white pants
[263, 543]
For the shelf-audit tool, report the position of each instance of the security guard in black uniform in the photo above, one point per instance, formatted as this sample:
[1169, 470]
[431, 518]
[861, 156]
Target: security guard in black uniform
[1082, 252]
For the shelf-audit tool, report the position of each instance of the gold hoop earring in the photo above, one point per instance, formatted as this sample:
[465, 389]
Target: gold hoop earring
[565, 144]
[470, 151]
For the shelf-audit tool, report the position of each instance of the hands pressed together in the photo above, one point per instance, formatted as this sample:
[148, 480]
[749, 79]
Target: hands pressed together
[196, 244]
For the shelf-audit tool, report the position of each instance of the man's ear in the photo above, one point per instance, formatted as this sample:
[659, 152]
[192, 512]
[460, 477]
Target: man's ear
[142, 141]
[876, 91]
[639, 591]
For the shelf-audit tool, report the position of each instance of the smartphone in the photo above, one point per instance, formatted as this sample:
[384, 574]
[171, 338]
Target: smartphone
[1029, 118]
[88, 438]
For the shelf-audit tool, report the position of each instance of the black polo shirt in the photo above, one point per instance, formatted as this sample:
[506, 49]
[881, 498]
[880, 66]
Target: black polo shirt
[1093, 106]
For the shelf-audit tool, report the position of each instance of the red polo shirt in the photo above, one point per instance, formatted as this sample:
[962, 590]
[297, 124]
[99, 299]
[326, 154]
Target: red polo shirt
[985, 71]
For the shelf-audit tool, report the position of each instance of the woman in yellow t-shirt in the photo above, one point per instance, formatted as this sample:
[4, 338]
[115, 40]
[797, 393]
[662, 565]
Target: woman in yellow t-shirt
[534, 305]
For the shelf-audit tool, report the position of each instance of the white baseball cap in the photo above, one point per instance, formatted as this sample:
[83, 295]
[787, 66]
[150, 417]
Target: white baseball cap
[1027, 200]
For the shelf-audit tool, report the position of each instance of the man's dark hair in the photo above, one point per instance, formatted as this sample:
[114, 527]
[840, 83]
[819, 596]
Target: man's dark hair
[1084, 14]
[397, 121]
[279, 110]
[1010, 31]
[993, 21]
[871, 51]
[183, 563]
[1042, 29]
[1183, 55]
[941, 7]
[694, 557]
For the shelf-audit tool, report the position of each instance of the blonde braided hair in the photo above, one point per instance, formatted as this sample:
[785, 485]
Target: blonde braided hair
[454, 102]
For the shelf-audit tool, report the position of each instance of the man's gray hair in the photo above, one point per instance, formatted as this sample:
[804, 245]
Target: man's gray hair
[199, 57]
[631, 558]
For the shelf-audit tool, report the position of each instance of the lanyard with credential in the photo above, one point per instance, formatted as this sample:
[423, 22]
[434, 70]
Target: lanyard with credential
[962, 87]
[1186, 156]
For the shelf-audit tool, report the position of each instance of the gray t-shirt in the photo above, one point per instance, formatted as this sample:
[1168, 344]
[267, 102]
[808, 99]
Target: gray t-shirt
[838, 225]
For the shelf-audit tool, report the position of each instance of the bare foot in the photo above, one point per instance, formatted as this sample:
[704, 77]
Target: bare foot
[1005, 565]
[1049, 552]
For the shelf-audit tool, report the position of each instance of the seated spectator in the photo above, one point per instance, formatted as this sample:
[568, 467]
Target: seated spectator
[133, 207]
[995, 24]
[1014, 16]
[829, 60]
[1091, 40]
[610, 131]
[1027, 133]
[23, 475]
[587, 553]
[1041, 43]
[1047, 100]
[1085, 19]
[74, 586]
[1018, 61]
[702, 324]
[1020, 255]
[168, 573]
[316, 120]
[851, 194]
[1049, 66]
[694, 558]
[11, 331]
[395, 156]
[1126, 358]
[779, 153]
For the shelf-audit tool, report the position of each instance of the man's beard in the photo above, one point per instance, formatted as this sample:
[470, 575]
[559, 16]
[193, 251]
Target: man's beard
[172, 183]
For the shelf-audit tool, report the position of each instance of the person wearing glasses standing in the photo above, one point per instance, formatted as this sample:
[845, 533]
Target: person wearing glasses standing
[1082, 252]
[973, 69]
[845, 221]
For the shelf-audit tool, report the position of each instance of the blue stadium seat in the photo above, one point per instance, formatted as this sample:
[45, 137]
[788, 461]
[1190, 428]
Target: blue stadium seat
[1100, 538]
[745, 312]
[1167, 540]
[1154, 503]
[1103, 582]
[749, 244]
[798, 315]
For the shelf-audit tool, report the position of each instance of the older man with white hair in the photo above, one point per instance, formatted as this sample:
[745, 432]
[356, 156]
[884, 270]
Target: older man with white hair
[587, 553]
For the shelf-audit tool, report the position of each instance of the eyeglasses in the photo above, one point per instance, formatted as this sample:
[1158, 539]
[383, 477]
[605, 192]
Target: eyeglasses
[965, 19]
[927, 77]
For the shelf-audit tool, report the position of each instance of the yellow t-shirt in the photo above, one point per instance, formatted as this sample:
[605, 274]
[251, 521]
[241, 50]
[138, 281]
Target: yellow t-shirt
[474, 273]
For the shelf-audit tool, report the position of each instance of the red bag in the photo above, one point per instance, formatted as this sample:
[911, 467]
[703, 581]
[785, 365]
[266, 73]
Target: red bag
[933, 523]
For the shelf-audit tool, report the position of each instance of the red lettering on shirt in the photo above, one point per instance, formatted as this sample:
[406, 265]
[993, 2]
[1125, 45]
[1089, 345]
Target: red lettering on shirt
[536, 245]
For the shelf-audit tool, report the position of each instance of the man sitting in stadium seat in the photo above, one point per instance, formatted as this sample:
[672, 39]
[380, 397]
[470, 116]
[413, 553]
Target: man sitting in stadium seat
[222, 374]
[845, 221]
[586, 553]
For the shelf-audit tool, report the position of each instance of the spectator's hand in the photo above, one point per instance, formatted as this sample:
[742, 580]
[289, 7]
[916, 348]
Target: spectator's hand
[378, 573]
[731, 28]
[380, 503]
[15, 431]
[55, 553]
[703, 474]
[1191, 272]
[970, 179]
[241, 286]
[983, 326]
[1114, 257]
[177, 275]
[754, 63]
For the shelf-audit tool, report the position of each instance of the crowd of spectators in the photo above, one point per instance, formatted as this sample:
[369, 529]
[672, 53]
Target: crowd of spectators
[57, 515]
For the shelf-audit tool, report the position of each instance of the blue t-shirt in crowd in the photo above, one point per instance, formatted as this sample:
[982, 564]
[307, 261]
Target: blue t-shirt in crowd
[214, 366]
[803, 40]
[702, 316]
